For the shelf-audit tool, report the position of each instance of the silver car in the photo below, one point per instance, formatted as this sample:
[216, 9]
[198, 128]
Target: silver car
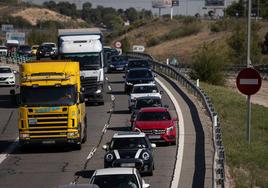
[7, 76]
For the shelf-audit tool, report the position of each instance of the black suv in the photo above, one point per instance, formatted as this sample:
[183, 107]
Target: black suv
[45, 51]
[130, 149]
[138, 76]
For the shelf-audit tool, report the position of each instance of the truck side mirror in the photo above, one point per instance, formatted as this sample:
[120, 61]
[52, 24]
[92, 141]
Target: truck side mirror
[81, 98]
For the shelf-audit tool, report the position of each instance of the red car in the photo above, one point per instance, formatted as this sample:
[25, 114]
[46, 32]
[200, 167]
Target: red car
[157, 124]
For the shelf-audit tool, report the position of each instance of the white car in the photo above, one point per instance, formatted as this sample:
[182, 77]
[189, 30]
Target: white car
[143, 90]
[7, 76]
[117, 178]
[3, 51]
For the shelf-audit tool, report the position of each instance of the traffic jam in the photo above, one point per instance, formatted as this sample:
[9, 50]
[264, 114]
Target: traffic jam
[74, 81]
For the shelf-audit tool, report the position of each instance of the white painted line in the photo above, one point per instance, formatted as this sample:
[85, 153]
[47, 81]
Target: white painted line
[109, 87]
[9, 150]
[106, 78]
[91, 153]
[178, 165]
[249, 81]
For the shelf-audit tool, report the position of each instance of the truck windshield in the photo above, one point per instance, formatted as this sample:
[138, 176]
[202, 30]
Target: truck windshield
[90, 61]
[48, 95]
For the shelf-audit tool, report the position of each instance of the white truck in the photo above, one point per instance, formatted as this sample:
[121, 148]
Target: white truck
[86, 47]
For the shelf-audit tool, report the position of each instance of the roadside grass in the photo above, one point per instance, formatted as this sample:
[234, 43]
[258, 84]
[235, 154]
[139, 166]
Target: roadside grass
[248, 162]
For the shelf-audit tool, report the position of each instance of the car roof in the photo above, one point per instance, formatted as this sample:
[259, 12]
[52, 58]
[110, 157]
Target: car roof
[129, 135]
[114, 171]
[154, 109]
[139, 69]
[3, 66]
[146, 84]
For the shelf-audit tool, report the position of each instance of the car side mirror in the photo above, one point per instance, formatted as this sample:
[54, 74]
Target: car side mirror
[105, 147]
[15, 72]
[153, 145]
[175, 119]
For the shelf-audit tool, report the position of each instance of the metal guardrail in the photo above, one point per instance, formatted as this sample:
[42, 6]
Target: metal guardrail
[219, 153]
[14, 59]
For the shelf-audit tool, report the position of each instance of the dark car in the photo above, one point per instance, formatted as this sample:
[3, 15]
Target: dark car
[24, 50]
[108, 53]
[130, 149]
[144, 102]
[137, 63]
[117, 63]
[138, 76]
[45, 51]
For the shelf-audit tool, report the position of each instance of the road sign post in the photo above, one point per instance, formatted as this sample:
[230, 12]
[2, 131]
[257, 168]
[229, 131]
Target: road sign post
[248, 82]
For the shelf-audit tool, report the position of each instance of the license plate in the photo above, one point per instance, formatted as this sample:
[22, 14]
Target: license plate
[154, 136]
[48, 142]
[120, 68]
[32, 121]
[128, 165]
[46, 55]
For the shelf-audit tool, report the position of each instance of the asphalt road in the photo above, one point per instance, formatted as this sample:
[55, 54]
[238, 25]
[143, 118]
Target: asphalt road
[49, 166]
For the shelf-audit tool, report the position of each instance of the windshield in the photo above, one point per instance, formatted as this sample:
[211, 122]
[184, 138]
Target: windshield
[5, 70]
[145, 89]
[139, 74]
[128, 143]
[154, 116]
[119, 58]
[136, 64]
[90, 61]
[142, 103]
[48, 95]
[45, 48]
[25, 48]
[116, 181]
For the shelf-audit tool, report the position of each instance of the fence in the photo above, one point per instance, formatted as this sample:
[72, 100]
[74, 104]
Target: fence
[172, 72]
[14, 59]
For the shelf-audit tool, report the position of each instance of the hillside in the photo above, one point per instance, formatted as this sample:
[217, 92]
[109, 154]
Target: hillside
[35, 14]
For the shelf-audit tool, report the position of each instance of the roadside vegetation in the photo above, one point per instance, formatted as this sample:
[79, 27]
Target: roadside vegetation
[248, 162]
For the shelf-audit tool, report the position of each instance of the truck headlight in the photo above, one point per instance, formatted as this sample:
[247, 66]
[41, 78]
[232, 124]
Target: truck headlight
[129, 83]
[98, 91]
[72, 134]
[109, 157]
[145, 156]
[169, 129]
[24, 135]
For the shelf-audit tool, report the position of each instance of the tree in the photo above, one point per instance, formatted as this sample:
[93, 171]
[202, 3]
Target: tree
[52, 5]
[236, 9]
[131, 14]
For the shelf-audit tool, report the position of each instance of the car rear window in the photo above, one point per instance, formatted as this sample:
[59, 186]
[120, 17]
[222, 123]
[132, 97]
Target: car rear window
[140, 74]
[154, 116]
[142, 103]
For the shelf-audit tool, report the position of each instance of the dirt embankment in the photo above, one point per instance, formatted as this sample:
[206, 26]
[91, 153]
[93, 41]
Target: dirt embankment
[33, 15]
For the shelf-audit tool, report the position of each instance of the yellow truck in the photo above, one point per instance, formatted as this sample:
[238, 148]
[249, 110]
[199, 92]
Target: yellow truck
[51, 104]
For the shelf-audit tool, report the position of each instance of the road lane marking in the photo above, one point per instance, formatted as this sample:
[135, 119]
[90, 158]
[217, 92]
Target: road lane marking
[109, 87]
[9, 150]
[112, 97]
[249, 81]
[178, 165]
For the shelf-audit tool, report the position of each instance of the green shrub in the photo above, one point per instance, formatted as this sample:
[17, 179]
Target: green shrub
[208, 66]
[153, 41]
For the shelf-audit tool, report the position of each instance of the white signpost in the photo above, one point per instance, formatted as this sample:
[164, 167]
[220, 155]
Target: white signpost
[138, 48]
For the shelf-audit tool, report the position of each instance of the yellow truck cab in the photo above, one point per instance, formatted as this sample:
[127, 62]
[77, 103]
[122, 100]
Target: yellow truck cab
[51, 104]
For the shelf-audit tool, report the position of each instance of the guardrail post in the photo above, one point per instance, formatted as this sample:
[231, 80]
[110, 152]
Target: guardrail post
[167, 61]
[197, 82]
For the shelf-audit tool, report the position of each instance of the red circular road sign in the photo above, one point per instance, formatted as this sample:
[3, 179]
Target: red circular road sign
[118, 44]
[248, 81]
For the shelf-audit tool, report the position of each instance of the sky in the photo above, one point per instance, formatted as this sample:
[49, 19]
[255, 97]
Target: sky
[186, 7]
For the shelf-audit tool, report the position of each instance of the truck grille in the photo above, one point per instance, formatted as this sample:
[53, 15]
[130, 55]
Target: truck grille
[48, 125]
[89, 83]
[154, 131]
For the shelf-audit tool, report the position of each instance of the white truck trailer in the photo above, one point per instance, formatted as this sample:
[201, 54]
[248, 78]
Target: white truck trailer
[86, 47]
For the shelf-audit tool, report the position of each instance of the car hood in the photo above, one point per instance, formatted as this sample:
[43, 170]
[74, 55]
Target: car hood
[153, 124]
[137, 95]
[6, 74]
